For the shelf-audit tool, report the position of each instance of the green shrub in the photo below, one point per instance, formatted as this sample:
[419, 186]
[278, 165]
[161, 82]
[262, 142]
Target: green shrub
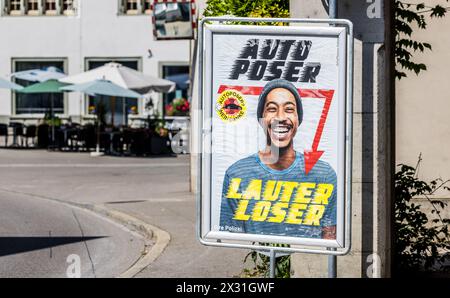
[421, 241]
[261, 264]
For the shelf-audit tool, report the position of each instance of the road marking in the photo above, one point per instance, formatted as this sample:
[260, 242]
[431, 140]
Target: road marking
[85, 243]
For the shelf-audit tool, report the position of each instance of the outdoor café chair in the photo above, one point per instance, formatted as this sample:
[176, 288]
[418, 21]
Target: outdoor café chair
[4, 133]
[30, 132]
[72, 136]
[87, 137]
[43, 135]
[127, 139]
[17, 132]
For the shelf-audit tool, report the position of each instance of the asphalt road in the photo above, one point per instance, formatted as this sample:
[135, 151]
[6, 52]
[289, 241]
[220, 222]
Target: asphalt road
[154, 190]
[42, 238]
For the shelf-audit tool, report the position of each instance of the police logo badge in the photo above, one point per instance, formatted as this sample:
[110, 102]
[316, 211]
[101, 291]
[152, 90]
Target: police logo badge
[231, 106]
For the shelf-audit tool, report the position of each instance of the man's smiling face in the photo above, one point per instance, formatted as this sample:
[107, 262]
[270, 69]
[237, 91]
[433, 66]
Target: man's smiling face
[280, 118]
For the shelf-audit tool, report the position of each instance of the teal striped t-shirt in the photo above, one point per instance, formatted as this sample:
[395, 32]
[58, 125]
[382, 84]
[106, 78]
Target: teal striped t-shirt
[259, 200]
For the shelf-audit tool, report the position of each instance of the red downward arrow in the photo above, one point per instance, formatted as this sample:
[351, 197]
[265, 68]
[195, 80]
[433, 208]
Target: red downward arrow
[311, 158]
[313, 155]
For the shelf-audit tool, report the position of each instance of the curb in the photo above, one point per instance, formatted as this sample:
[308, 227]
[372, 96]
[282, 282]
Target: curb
[150, 232]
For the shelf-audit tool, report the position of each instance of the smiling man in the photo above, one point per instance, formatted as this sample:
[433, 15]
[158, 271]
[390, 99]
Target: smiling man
[268, 192]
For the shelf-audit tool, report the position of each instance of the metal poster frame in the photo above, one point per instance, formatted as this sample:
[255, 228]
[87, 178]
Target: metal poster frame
[343, 31]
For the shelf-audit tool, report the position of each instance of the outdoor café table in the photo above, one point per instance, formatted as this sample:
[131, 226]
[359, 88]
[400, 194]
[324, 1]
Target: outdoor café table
[66, 130]
[111, 135]
[15, 126]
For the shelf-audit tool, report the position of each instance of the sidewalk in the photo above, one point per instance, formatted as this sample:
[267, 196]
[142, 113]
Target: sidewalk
[171, 207]
[184, 256]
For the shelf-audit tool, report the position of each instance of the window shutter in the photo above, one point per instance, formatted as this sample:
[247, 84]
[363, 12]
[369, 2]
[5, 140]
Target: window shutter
[6, 7]
[122, 6]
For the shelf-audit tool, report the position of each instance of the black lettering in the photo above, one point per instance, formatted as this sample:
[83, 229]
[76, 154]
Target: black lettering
[250, 50]
[302, 50]
[276, 69]
[292, 69]
[273, 61]
[285, 48]
[270, 49]
[310, 73]
[240, 67]
[257, 70]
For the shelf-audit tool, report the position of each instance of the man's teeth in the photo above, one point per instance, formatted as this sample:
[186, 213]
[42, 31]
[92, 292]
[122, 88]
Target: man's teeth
[280, 129]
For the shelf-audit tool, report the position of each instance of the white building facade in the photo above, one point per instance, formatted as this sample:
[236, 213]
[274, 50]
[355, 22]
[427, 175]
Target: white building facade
[78, 35]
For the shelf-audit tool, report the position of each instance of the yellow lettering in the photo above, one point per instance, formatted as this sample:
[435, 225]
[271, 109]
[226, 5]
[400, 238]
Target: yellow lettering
[295, 213]
[323, 192]
[272, 190]
[261, 210]
[253, 190]
[304, 192]
[233, 189]
[315, 213]
[288, 188]
[240, 211]
[278, 212]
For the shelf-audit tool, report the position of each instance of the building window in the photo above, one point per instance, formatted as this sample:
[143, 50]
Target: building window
[132, 7]
[50, 7]
[37, 103]
[175, 102]
[68, 7]
[135, 7]
[14, 7]
[120, 105]
[33, 7]
[40, 7]
[147, 6]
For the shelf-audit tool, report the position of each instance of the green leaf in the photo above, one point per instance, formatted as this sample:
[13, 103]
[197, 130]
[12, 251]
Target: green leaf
[438, 11]
[419, 236]
[407, 17]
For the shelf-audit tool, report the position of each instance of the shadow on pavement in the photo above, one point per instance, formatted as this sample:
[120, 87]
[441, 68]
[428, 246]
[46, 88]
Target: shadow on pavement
[15, 245]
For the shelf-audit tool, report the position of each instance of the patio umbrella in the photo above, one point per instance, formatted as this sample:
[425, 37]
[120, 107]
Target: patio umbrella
[50, 86]
[124, 77]
[39, 75]
[182, 80]
[101, 87]
[9, 85]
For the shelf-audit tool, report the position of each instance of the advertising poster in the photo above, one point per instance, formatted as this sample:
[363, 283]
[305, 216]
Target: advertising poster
[274, 156]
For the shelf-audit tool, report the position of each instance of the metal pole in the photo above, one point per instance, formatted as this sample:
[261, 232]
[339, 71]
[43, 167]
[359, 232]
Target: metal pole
[52, 112]
[97, 147]
[273, 258]
[125, 112]
[112, 102]
[332, 264]
[332, 9]
[332, 259]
